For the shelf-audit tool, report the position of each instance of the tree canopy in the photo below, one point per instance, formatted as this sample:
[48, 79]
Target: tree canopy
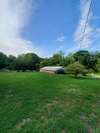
[76, 69]
[3, 61]
[31, 61]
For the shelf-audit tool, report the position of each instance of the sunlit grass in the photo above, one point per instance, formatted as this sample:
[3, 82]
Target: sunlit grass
[48, 103]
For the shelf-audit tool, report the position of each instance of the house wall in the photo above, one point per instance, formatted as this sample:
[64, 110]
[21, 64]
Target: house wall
[47, 71]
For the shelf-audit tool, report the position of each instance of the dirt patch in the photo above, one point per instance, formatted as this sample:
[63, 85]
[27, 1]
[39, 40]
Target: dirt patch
[57, 103]
[51, 105]
[75, 91]
[21, 124]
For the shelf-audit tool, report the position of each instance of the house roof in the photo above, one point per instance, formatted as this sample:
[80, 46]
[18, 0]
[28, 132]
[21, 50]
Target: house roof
[52, 68]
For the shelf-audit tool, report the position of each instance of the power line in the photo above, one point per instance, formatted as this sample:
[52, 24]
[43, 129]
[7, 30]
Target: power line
[86, 22]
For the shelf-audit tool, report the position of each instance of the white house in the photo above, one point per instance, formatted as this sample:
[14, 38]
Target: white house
[52, 69]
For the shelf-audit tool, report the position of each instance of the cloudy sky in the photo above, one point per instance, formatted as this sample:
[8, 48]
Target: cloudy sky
[48, 26]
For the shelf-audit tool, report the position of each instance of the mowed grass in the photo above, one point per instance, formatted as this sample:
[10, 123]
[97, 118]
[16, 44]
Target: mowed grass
[48, 103]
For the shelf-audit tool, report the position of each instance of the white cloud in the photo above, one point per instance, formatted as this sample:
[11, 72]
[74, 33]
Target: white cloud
[86, 41]
[14, 16]
[60, 39]
[92, 33]
[18, 46]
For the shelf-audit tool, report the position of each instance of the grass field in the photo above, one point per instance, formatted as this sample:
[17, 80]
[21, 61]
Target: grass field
[48, 103]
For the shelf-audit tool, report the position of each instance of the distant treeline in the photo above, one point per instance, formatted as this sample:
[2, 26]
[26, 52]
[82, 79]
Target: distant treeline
[31, 61]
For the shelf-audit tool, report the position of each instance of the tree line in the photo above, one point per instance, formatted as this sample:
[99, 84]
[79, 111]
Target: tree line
[90, 61]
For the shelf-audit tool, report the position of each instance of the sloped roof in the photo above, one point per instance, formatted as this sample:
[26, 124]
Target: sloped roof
[52, 68]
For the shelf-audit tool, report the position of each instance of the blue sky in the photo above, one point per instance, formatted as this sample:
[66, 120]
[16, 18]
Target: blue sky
[54, 19]
[48, 26]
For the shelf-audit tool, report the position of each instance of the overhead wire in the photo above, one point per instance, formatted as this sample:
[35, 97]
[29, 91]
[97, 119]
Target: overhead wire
[86, 22]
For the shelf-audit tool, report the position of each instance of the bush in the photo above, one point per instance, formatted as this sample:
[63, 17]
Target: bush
[91, 71]
[98, 66]
[76, 69]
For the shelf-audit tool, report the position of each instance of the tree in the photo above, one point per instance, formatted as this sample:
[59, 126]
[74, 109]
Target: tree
[85, 58]
[91, 62]
[28, 61]
[3, 61]
[98, 65]
[45, 62]
[31, 61]
[68, 60]
[76, 69]
[97, 55]
[82, 57]
[11, 60]
[56, 60]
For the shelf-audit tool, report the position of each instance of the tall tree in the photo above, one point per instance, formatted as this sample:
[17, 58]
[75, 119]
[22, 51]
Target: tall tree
[85, 58]
[11, 60]
[28, 61]
[3, 61]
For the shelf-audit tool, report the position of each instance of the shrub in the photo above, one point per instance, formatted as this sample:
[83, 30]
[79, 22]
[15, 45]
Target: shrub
[76, 69]
[91, 71]
[98, 67]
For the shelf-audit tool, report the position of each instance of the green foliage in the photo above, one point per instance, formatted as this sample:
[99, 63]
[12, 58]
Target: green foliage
[11, 60]
[85, 58]
[45, 62]
[91, 70]
[97, 55]
[3, 61]
[81, 56]
[27, 62]
[92, 62]
[31, 61]
[98, 65]
[76, 69]
[68, 60]
[56, 60]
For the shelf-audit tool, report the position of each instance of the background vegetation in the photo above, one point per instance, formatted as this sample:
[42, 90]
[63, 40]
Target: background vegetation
[89, 61]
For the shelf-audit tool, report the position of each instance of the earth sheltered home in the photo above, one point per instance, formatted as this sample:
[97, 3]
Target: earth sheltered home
[52, 69]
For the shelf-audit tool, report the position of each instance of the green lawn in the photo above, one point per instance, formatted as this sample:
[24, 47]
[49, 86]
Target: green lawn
[48, 103]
